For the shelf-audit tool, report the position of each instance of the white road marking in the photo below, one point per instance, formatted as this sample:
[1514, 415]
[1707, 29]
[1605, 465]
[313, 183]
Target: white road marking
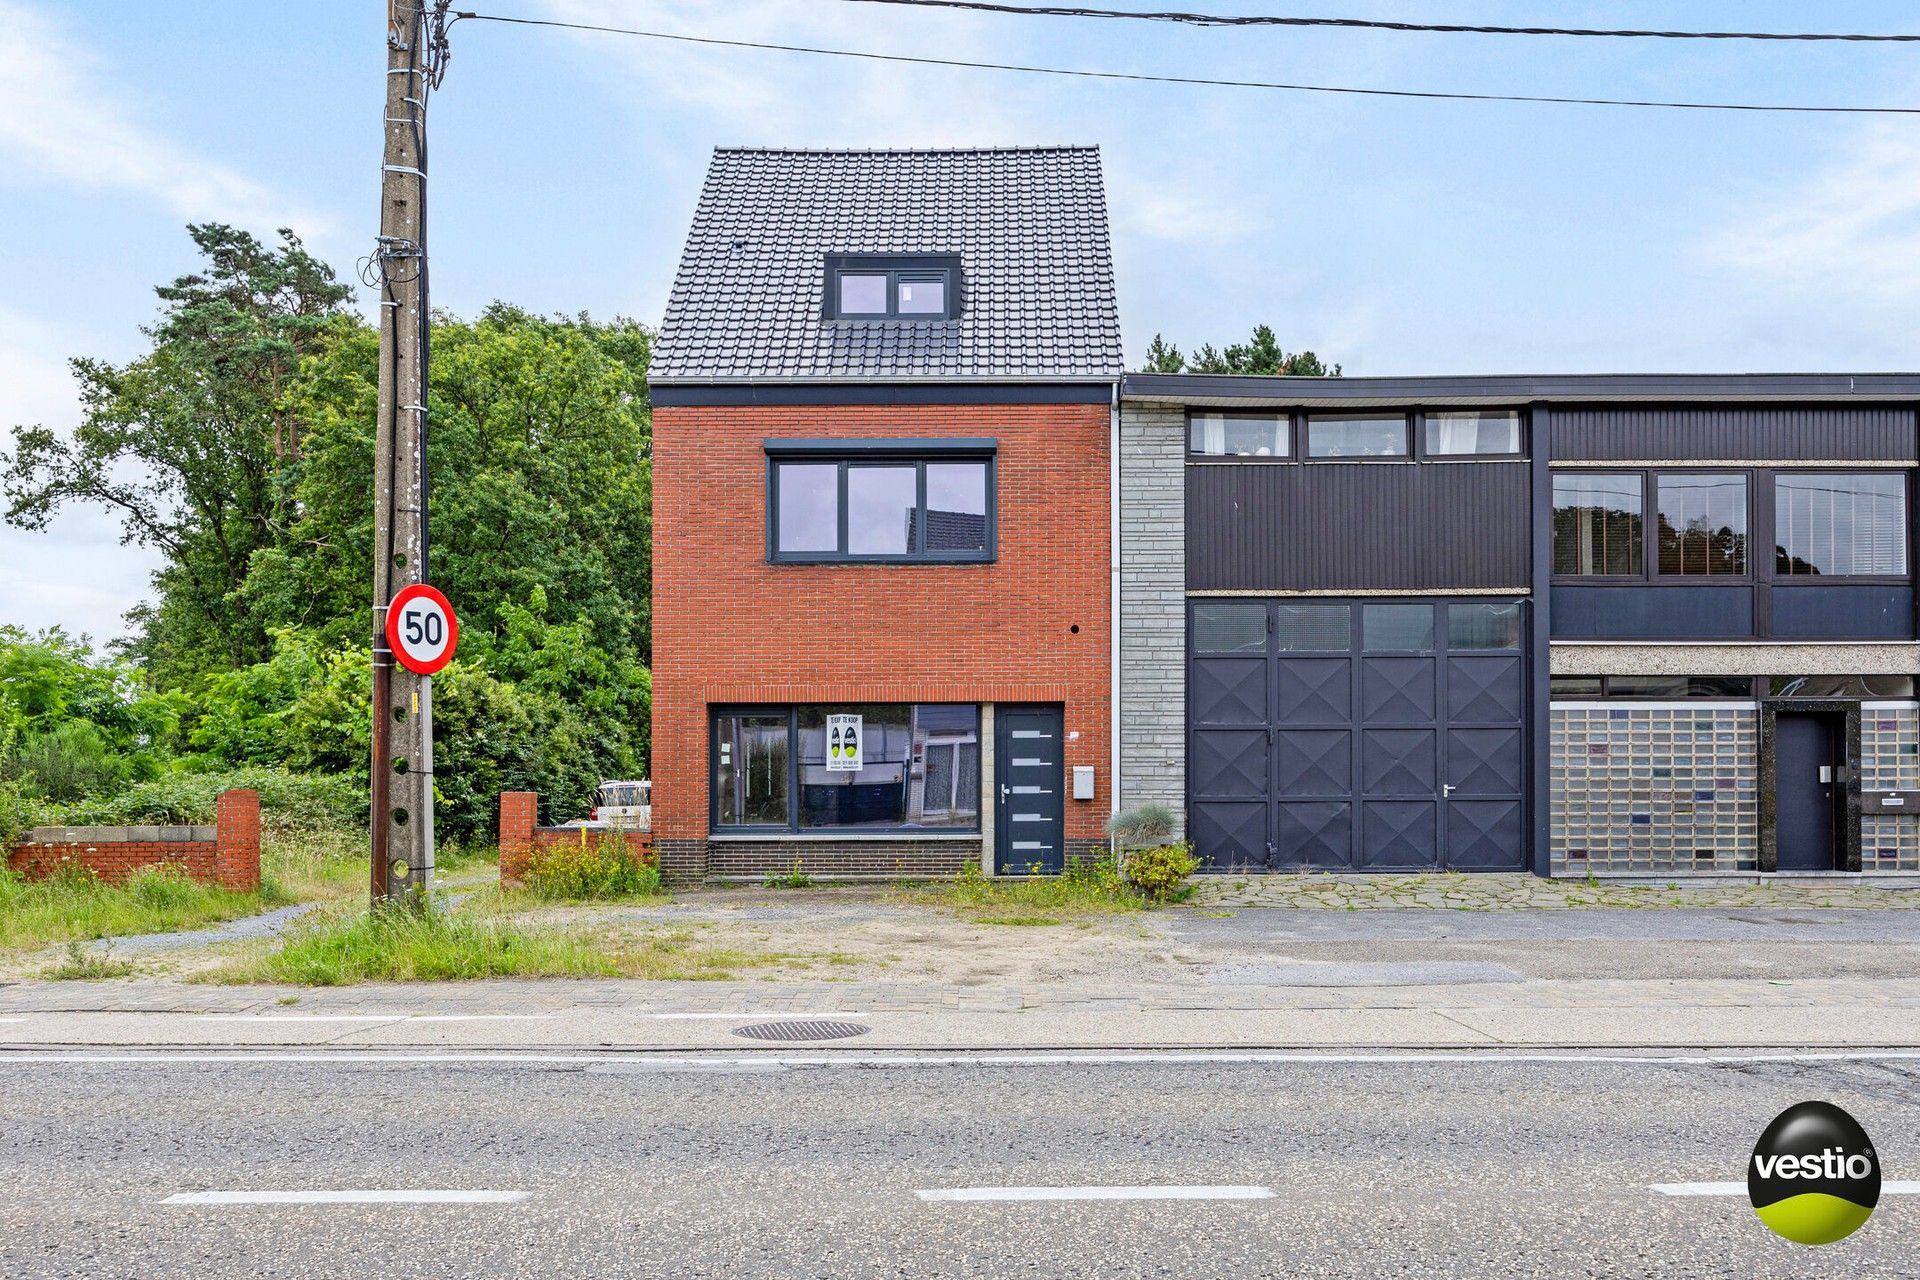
[910, 1058]
[748, 1017]
[299, 1017]
[375, 1017]
[1740, 1188]
[1098, 1193]
[347, 1197]
[12, 1019]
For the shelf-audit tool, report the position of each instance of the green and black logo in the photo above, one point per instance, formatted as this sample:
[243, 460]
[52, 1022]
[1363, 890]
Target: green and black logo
[1814, 1177]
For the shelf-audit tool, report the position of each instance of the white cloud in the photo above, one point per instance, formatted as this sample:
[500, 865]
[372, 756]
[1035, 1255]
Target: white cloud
[75, 574]
[1842, 246]
[771, 98]
[60, 117]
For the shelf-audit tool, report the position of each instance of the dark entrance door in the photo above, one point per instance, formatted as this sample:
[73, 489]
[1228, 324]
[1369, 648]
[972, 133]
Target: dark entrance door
[1367, 735]
[1806, 780]
[1029, 772]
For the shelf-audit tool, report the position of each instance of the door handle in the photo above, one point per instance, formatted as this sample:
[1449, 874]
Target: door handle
[1004, 791]
[1826, 773]
[1446, 790]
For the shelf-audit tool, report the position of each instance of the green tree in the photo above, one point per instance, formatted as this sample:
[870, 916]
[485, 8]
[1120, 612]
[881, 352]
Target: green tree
[1163, 357]
[187, 444]
[539, 470]
[1260, 355]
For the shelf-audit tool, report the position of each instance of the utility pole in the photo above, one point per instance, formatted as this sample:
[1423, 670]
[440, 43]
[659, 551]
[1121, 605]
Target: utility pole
[402, 774]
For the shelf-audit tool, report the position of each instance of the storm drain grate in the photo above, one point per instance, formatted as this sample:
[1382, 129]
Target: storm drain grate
[808, 1030]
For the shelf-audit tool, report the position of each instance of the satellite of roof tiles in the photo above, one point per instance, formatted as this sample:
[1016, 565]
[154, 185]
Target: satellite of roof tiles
[1029, 224]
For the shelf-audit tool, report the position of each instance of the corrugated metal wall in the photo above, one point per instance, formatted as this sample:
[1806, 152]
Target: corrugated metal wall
[1798, 433]
[1357, 526]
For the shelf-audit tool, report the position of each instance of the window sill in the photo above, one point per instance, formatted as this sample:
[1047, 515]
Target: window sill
[936, 561]
[818, 837]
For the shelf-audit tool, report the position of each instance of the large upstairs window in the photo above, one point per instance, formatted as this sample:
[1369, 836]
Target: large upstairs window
[1828, 523]
[1597, 525]
[880, 500]
[1825, 524]
[1703, 525]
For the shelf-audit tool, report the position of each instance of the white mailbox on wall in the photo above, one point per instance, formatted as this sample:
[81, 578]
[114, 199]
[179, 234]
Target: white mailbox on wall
[1083, 782]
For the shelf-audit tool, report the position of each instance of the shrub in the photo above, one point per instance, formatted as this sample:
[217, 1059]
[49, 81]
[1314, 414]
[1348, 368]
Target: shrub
[1148, 824]
[602, 868]
[1160, 871]
[72, 761]
[301, 801]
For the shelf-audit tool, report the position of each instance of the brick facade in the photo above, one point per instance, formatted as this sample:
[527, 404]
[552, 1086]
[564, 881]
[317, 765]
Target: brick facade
[1032, 626]
[226, 854]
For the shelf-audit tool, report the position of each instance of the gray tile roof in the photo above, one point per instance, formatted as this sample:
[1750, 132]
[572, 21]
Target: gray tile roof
[1029, 223]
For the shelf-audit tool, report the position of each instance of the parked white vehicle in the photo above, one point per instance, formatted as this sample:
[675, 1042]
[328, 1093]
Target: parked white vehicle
[624, 804]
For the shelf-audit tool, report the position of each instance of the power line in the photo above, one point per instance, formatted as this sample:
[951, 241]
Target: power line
[1140, 77]
[1377, 24]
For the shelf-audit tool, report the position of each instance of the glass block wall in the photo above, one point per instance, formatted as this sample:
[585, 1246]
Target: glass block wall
[1890, 761]
[1655, 787]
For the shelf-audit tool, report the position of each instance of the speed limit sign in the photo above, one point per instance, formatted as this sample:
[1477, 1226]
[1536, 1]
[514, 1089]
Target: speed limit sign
[421, 629]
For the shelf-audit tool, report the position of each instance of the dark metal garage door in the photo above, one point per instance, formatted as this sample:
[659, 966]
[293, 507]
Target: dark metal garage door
[1346, 735]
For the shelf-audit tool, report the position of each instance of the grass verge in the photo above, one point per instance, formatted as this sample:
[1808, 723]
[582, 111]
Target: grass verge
[394, 945]
[75, 905]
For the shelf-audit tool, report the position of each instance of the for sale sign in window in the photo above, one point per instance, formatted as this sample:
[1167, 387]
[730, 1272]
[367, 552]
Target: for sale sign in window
[843, 743]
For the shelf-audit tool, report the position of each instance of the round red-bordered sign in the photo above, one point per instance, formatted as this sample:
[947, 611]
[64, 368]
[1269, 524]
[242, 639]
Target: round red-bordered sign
[421, 629]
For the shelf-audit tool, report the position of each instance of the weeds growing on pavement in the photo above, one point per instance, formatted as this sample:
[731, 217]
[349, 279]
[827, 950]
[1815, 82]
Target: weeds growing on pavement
[82, 964]
[75, 904]
[1086, 885]
[393, 944]
[798, 878]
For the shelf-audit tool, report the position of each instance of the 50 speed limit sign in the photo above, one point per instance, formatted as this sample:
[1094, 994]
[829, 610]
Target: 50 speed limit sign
[421, 629]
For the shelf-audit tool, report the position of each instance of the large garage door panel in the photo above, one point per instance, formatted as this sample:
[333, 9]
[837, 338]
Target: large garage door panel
[1399, 753]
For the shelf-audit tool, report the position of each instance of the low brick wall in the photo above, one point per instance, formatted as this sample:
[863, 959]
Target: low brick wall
[902, 859]
[226, 853]
[519, 837]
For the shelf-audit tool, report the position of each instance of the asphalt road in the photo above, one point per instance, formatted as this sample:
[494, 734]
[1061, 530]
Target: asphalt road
[1377, 1168]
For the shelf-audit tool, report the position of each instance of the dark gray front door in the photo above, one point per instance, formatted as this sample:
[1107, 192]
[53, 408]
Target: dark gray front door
[1357, 734]
[1029, 775]
[1806, 767]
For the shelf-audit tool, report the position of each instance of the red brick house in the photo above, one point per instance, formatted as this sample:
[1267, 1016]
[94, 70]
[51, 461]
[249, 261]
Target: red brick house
[884, 416]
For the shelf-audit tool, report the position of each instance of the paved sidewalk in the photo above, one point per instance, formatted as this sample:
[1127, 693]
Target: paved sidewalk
[1770, 969]
[1520, 892]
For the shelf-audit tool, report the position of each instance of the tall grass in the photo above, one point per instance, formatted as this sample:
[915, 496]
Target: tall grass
[74, 904]
[398, 945]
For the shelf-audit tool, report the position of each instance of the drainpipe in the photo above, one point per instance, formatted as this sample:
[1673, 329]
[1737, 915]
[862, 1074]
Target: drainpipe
[1113, 595]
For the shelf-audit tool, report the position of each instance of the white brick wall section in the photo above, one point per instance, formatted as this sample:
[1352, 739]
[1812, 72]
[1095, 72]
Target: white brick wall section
[1153, 626]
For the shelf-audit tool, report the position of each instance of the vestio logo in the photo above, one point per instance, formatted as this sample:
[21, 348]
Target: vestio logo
[1814, 1177]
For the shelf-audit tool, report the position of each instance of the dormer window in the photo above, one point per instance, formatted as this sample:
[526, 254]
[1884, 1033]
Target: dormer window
[866, 286]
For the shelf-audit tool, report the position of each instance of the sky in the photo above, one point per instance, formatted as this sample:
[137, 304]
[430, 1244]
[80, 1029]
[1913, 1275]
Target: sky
[1391, 236]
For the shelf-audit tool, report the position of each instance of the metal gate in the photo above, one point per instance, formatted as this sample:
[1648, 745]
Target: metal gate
[1346, 735]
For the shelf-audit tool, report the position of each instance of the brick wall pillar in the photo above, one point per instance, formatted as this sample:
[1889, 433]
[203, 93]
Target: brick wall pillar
[518, 813]
[236, 847]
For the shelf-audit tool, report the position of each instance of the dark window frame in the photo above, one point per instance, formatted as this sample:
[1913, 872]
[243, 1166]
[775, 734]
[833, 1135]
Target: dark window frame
[896, 267]
[1762, 515]
[1408, 433]
[1793, 581]
[1296, 436]
[844, 455]
[1616, 579]
[1754, 690]
[792, 827]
